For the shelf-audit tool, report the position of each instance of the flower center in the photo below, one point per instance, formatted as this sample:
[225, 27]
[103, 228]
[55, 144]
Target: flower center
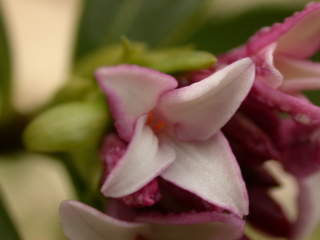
[155, 123]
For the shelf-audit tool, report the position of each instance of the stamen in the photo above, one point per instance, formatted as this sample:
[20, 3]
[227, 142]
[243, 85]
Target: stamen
[156, 124]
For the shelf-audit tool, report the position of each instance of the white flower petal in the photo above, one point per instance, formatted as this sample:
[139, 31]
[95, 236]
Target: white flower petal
[132, 91]
[201, 109]
[301, 38]
[209, 170]
[81, 222]
[145, 158]
[265, 69]
[299, 75]
[296, 68]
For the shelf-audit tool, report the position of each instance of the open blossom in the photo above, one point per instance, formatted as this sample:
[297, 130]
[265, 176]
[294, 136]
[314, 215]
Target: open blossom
[281, 52]
[169, 171]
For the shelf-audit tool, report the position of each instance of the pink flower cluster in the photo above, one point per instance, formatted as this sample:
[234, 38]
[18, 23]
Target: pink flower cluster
[184, 159]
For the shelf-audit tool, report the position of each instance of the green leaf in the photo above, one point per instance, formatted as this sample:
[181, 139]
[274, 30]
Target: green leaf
[316, 57]
[7, 228]
[313, 96]
[68, 127]
[221, 34]
[76, 88]
[5, 74]
[168, 60]
[151, 21]
[315, 235]
[174, 60]
[105, 56]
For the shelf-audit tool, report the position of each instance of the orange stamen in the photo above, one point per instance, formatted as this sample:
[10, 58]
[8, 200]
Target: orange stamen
[156, 124]
[150, 118]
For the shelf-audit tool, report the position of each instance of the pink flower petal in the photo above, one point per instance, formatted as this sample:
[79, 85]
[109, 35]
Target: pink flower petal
[299, 75]
[190, 218]
[81, 222]
[191, 226]
[132, 91]
[144, 160]
[244, 134]
[265, 69]
[300, 148]
[209, 170]
[298, 36]
[309, 207]
[264, 116]
[147, 196]
[201, 109]
[113, 149]
[296, 68]
[301, 110]
[297, 85]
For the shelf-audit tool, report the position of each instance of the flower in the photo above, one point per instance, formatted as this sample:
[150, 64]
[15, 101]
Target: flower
[280, 52]
[283, 70]
[169, 171]
[278, 121]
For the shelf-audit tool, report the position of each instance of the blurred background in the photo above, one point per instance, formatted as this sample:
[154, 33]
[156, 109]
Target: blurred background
[42, 35]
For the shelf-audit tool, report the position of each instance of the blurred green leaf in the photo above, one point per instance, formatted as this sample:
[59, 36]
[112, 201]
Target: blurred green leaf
[168, 60]
[67, 127]
[76, 89]
[7, 228]
[315, 235]
[174, 60]
[313, 96]
[151, 21]
[221, 34]
[105, 56]
[5, 74]
[316, 57]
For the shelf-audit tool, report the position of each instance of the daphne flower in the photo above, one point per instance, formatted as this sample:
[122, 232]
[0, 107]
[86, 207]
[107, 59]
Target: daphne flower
[170, 173]
[281, 52]
[283, 70]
